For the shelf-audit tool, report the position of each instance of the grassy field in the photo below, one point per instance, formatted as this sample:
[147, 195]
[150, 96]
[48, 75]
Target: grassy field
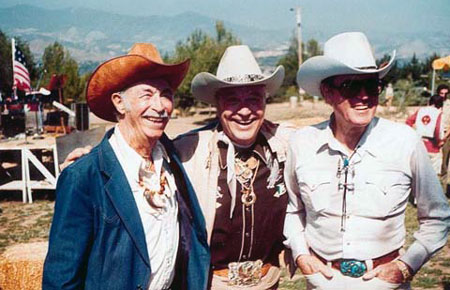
[21, 223]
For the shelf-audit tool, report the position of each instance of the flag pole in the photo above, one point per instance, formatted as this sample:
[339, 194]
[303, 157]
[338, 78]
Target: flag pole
[13, 50]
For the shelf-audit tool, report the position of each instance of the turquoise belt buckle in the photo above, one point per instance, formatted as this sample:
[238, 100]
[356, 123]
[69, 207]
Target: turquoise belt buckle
[353, 268]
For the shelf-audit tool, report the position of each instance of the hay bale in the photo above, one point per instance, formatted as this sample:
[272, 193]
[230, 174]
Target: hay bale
[21, 266]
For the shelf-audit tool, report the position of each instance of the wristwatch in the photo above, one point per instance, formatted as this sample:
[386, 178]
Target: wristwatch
[407, 276]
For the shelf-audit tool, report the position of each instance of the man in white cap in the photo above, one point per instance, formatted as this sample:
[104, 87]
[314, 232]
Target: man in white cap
[236, 167]
[349, 180]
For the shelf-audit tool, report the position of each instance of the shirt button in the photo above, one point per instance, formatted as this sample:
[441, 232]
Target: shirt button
[244, 257]
[247, 235]
[247, 208]
[348, 244]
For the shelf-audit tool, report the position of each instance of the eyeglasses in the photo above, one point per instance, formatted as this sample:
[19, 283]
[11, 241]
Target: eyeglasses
[351, 88]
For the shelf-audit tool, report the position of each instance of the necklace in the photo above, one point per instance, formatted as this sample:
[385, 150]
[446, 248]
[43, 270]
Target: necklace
[246, 177]
[152, 189]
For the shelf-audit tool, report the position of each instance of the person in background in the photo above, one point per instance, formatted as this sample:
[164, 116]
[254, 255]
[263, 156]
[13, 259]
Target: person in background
[389, 95]
[428, 125]
[442, 91]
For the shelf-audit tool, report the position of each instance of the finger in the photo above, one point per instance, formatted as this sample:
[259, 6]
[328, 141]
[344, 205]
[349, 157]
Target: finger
[88, 148]
[371, 274]
[64, 165]
[326, 271]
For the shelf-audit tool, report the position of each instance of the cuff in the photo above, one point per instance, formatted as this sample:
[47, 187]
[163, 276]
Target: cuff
[299, 247]
[415, 256]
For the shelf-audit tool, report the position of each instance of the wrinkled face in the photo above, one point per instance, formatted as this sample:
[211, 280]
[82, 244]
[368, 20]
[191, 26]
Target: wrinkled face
[145, 108]
[241, 112]
[354, 98]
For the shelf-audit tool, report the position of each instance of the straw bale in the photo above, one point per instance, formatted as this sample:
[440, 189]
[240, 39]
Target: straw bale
[21, 266]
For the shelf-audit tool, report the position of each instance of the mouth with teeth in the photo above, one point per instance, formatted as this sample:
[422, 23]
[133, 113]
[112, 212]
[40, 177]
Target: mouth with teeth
[158, 120]
[244, 122]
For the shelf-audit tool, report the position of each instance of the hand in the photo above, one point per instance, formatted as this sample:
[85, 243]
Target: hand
[310, 264]
[388, 272]
[74, 155]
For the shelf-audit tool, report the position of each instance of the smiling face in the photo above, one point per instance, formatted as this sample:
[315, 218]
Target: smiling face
[144, 110]
[352, 108]
[241, 112]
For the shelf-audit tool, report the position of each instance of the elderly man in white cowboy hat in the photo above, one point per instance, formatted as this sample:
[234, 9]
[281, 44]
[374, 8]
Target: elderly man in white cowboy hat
[126, 216]
[349, 179]
[236, 167]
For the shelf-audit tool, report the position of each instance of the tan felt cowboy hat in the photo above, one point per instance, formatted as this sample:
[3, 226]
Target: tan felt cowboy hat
[345, 53]
[143, 62]
[237, 67]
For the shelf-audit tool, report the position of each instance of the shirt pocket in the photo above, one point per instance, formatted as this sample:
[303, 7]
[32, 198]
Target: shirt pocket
[386, 194]
[315, 190]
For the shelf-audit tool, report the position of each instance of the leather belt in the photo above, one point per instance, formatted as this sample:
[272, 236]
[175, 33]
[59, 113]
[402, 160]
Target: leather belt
[224, 272]
[336, 264]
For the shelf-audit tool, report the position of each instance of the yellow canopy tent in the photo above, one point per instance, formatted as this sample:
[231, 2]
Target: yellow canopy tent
[439, 64]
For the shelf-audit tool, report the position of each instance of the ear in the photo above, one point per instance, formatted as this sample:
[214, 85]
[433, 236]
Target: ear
[325, 90]
[118, 103]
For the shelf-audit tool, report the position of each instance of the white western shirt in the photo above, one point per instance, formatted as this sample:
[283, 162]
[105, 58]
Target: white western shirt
[388, 164]
[160, 225]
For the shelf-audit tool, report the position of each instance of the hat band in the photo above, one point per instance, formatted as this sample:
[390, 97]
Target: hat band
[244, 78]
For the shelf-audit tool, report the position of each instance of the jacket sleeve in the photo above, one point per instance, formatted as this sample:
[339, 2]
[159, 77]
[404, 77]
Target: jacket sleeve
[70, 235]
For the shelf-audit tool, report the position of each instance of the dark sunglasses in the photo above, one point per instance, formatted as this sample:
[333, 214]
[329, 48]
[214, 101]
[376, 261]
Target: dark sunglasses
[351, 88]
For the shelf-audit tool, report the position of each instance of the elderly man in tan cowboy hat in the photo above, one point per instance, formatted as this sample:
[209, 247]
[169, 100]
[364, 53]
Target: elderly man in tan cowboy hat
[236, 167]
[349, 180]
[126, 216]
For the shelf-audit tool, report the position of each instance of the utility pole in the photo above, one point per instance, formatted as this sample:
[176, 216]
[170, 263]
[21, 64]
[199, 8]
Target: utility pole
[298, 18]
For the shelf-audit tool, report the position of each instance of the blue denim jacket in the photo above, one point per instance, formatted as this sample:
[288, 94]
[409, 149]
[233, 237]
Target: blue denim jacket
[97, 239]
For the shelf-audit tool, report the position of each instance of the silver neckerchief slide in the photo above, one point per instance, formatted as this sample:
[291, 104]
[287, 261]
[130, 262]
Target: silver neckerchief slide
[245, 274]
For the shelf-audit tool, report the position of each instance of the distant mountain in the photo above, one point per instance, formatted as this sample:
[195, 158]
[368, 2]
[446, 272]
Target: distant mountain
[93, 36]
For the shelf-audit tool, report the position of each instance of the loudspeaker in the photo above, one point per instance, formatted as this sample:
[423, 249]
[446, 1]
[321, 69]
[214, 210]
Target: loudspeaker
[82, 116]
[13, 124]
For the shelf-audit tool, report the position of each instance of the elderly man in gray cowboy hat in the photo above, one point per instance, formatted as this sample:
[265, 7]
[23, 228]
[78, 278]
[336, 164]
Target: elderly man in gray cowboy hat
[126, 216]
[349, 179]
[236, 167]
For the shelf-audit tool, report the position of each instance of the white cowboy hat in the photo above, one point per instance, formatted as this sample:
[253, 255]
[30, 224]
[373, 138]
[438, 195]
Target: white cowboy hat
[237, 67]
[345, 53]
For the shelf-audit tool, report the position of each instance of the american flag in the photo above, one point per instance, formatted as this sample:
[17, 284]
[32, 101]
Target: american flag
[20, 72]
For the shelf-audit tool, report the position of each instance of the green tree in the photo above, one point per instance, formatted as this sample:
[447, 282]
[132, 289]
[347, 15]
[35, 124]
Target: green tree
[57, 61]
[290, 63]
[204, 52]
[312, 49]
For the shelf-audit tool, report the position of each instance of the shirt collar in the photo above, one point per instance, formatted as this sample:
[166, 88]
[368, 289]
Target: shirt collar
[327, 140]
[134, 160]
[257, 148]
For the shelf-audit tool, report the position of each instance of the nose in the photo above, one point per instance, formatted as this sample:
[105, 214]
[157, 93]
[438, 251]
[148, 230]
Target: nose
[156, 103]
[362, 94]
[244, 111]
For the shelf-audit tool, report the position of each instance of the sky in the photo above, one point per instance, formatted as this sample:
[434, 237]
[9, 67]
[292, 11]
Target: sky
[376, 15]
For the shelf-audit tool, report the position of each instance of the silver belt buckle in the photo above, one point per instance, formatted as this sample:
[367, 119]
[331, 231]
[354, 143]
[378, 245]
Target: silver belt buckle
[246, 273]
